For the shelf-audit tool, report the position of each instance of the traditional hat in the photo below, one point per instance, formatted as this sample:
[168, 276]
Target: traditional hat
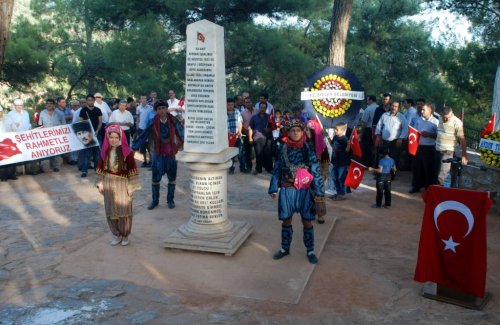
[18, 102]
[160, 103]
[97, 95]
[294, 123]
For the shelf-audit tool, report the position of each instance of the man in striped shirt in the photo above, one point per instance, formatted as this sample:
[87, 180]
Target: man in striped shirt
[450, 131]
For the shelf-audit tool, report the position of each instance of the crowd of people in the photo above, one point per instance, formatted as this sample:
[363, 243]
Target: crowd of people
[382, 127]
[283, 143]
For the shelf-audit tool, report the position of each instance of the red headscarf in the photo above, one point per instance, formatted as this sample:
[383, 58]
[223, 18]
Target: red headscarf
[124, 145]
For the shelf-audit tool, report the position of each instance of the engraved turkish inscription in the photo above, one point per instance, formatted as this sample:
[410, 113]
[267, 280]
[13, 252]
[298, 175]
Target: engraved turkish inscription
[207, 201]
[200, 81]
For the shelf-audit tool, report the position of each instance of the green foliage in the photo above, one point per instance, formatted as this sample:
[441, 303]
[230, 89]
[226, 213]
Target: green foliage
[26, 58]
[143, 57]
[484, 15]
[470, 72]
[124, 48]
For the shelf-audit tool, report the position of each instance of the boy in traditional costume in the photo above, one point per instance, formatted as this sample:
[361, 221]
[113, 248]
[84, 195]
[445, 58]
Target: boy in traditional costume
[166, 141]
[297, 174]
[117, 179]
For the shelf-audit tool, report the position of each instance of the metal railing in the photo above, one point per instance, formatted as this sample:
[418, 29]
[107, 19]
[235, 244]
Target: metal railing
[473, 137]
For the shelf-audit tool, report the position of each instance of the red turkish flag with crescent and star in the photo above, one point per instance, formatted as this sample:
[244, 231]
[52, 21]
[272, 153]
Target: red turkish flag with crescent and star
[8, 149]
[452, 248]
[489, 127]
[413, 139]
[355, 174]
[354, 143]
[200, 37]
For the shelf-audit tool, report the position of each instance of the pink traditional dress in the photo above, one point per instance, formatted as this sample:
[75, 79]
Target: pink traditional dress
[118, 177]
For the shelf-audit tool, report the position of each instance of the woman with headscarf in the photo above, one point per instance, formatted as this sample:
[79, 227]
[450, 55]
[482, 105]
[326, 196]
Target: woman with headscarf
[315, 136]
[118, 178]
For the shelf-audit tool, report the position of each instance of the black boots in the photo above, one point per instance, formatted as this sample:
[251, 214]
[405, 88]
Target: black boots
[156, 196]
[170, 196]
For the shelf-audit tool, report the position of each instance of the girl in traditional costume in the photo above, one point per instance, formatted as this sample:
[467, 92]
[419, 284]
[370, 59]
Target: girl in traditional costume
[117, 179]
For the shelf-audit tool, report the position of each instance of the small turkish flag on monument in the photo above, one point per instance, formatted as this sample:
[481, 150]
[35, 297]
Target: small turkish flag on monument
[200, 37]
[413, 139]
[354, 143]
[452, 249]
[355, 174]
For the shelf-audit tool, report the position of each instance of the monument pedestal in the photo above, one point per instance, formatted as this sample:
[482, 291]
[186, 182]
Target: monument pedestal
[441, 293]
[209, 228]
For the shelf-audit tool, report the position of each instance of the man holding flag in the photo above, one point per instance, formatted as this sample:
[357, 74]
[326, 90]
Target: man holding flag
[423, 165]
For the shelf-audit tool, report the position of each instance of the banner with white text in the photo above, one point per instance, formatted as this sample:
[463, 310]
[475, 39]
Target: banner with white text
[39, 143]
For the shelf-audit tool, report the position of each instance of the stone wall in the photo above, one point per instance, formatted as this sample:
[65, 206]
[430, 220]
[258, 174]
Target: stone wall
[488, 180]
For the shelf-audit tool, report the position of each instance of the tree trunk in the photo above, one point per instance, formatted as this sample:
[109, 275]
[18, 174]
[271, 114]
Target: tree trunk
[495, 107]
[89, 66]
[339, 30]
[6, 8]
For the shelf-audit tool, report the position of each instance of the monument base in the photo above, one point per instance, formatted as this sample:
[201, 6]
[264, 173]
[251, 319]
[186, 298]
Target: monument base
[226, 242]
[441, 293]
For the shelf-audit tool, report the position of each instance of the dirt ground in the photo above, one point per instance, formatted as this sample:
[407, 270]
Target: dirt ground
[364, 276]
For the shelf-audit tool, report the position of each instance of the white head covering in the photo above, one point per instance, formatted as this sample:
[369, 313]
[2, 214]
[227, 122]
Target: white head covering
[18, 102]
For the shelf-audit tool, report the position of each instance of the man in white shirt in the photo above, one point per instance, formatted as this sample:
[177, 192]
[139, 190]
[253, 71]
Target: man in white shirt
[9, 171]
[173, 104]
[17, 120]
[123, 118]
[391, 130]
[263, 98]
[106, 113]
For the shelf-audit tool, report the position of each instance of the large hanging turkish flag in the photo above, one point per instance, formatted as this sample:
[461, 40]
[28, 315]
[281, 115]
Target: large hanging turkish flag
[452, 249]
[413, 139]
[355, 174]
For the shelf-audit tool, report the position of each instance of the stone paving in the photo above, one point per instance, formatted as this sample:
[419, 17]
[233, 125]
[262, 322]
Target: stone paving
[364, 275]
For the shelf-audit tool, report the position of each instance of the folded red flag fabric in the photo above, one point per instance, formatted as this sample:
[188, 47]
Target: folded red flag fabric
[232, 137]
[489, 127]
[355, 174]
[354, 144]
[452, 248]
[413, 139]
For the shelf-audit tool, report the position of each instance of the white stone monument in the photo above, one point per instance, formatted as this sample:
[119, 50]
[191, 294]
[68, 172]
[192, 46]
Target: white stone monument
[206, 150]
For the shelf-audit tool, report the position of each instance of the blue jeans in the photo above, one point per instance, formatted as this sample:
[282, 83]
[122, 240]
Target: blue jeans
[86, 154]
[241, 155]
[339, 174]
